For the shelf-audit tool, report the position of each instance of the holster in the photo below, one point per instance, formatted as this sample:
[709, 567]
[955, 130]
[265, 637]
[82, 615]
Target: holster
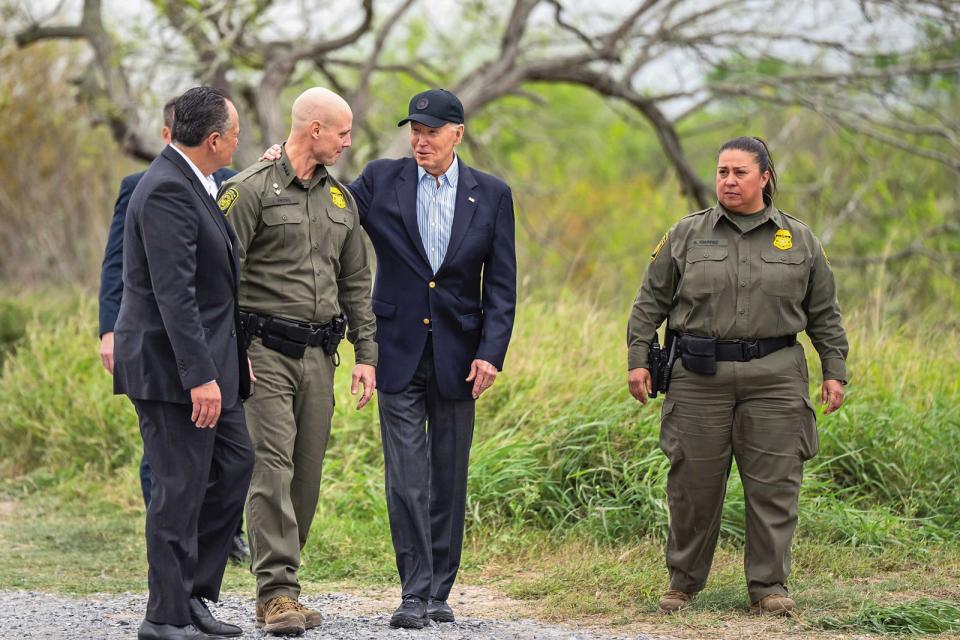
[660, 362]
[699, 354]
[290, 337]
[655, 365]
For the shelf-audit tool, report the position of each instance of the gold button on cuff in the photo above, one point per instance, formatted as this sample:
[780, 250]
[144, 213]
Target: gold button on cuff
[426, 321]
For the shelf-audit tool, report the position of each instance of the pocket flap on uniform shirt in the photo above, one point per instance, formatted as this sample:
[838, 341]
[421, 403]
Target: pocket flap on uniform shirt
[776, 256]
[383, 309]
[699, 253]
[282, 215]
[341, 217]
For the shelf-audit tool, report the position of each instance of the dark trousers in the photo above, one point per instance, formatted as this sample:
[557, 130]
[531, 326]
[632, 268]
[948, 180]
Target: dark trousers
[426, 448]
[199, 484]
[146, 483]
[758, 413]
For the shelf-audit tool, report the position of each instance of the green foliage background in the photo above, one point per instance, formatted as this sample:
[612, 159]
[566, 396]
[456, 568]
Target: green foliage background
[561, 452]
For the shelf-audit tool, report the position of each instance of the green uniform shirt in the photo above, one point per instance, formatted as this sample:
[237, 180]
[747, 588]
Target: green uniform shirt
[302, 253]
[771, 281]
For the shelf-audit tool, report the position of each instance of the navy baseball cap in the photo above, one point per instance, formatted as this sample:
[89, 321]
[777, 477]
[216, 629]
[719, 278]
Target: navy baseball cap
[434, 108]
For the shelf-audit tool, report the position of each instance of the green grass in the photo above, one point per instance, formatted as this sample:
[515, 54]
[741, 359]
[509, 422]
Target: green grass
[920, 616]
[566, 507]
[92, 545]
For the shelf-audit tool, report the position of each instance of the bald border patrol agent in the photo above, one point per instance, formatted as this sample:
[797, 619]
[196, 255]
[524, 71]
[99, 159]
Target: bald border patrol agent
[736, 283]
[305, 274]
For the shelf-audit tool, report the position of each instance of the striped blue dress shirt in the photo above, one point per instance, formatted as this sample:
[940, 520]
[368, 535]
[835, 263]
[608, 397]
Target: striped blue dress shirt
[435, 205]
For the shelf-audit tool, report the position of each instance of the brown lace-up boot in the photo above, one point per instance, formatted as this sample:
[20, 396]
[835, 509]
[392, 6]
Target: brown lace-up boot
[312, 618]
[674, 600]
[281, 616]
[775, 604]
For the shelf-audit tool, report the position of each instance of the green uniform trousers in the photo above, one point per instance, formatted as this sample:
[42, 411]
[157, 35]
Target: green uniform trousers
[288, 417]
[760, 413]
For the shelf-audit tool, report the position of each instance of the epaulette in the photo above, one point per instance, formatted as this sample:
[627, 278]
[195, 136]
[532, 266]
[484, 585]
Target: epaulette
[229, 196]
[252, 170]
[697, 213]
[794, 218]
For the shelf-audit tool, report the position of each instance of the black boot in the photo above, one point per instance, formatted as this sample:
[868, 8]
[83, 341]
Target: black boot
[439, 611]
[411, 614]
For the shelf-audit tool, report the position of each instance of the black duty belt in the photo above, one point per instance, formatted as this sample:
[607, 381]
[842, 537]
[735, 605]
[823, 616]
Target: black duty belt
[292, 337]
[746, 350]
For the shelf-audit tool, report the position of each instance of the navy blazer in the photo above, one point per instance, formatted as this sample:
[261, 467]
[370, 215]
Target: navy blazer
[176, 328]
[469, 304]
[111, 271]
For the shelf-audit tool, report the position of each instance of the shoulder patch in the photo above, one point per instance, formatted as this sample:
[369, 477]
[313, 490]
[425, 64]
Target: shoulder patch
[227, 200]
[656, 250]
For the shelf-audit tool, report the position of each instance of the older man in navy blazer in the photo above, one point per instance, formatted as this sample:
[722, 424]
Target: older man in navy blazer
[444, 298]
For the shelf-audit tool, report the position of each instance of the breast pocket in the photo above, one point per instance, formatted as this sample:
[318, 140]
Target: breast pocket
[341, 223]
[706, 270]
[784, 273]
[283, 224]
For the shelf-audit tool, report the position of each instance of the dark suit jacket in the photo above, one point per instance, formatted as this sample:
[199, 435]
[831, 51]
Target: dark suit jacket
[111, 272]
[471, 305]
[177, 323]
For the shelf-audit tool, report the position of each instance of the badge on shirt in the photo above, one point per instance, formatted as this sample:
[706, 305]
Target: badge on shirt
[782, 239]
[337, 196]
[227, 200]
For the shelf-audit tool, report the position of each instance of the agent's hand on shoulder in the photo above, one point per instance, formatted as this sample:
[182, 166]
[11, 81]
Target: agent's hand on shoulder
[639, 382]
[273, 153]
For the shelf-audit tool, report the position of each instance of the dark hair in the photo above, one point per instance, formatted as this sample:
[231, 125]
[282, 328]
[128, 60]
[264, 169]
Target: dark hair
[198, 113]
[761, 152]
[168, 112]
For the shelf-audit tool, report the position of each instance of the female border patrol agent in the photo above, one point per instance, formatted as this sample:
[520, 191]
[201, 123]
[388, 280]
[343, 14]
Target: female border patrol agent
[736, 283]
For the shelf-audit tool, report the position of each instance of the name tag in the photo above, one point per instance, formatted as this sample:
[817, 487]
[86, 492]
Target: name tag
[709, 242]
[273, 202]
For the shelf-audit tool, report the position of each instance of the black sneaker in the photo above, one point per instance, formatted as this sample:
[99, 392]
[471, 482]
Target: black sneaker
[439, 611]
[411, 614]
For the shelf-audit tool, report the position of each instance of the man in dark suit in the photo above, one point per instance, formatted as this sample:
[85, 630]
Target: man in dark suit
[111, 293]
[178, 358]
[444, 298]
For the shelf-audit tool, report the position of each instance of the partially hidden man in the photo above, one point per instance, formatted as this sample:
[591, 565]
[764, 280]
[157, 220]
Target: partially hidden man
[305, 276]
[736, 283]
[178, 359]
[444, 299]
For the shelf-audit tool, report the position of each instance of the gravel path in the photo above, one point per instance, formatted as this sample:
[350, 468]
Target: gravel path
[28, 615]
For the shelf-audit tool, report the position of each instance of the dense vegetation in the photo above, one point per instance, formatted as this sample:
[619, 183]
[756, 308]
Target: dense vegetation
[563, 456]
[561, 446]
